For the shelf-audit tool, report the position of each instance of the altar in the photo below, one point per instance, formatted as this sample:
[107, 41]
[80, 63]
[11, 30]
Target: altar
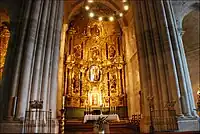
[111, 117]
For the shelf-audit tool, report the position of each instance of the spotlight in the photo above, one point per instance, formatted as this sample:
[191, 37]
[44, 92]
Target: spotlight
[100, 18]
[91, 14]
[121, 14]
[90, 1]
[126, 7]
[111, 18]
[87, 7]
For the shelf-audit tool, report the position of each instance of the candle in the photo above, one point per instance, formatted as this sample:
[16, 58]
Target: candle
[63, 103]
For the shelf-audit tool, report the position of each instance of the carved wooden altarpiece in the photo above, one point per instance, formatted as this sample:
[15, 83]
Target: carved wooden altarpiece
[94, 64]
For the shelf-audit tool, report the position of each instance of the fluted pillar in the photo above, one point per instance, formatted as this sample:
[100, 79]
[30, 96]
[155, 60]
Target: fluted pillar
[47, 58]
[55, 60]
[158, 71]
[27, 62]
[182, 69]
[179, 33]
[169, 59]
[20, 43]
[37, 70]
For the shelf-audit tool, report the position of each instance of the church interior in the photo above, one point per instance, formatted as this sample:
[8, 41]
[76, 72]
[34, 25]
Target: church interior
[99, 66]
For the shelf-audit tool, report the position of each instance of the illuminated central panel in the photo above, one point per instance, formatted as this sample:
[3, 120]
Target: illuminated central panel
[94, 66]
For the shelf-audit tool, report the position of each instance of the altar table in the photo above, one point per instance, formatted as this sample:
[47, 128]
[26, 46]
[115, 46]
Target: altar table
[110, 117]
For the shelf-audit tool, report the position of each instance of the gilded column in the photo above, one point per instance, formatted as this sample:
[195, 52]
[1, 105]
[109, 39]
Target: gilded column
[61, 89]
[28, 55]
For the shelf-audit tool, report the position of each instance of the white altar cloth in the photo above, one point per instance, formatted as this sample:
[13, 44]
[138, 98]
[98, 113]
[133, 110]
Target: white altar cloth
[111, 117]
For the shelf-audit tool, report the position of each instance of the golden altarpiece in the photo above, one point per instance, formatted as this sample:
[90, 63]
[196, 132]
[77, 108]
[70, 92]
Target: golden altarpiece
[4, 38]
[94, 66]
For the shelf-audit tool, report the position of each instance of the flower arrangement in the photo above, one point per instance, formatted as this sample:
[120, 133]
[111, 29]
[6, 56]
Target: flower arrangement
[98, 125]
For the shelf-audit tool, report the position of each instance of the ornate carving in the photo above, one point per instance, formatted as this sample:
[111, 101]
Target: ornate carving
[95, 53]
[75, 83]
[112, 52]
[113, 83]
[90, 85]
[4, 38]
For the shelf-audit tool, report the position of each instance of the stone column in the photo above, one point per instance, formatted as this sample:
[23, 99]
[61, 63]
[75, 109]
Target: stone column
[160, 57]
[47, 57]
[158, 70]
[35, 88]
[27, 62]
[179, 33]
[171, 71]
[16, 74]
[55, 60]
[143, 65]
[183, 73]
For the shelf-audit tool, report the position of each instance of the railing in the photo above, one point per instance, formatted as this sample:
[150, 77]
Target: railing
[37, 121]
[135, 122]
[164, 120]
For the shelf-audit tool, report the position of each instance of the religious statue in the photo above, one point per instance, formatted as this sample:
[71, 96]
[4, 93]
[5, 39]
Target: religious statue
[75, 84]
[94, 74]
[95, 31]
[112, 52]
[113, 83]
[95, 53]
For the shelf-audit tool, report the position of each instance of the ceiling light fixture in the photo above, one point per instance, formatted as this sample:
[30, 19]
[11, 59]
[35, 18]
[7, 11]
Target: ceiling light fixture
[91, 14]
[100, 18]
[126, 7]
[115, 15]
[111, 18]
[87, 7]
[90, 1]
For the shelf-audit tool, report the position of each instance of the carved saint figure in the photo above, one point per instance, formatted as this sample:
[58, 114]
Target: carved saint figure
[112, 52]
[95, 53]
[113, 83]
[75, 84]
[77, 51]
[94, 73]
[95, 31]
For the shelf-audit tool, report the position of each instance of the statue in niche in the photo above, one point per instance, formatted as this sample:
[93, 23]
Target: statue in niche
[113, 83]
[94, 99]
[112, 52]
[94, 74]
[95, 53]
[75, 84]
[77, 51]
[95, 31]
